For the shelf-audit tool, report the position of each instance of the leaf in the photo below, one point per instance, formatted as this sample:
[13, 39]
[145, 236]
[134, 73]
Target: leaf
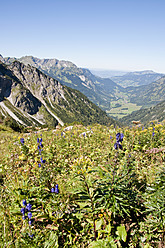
[98, 244]
[108, 228]
[121, 232]
[83, 204]
[99, 224]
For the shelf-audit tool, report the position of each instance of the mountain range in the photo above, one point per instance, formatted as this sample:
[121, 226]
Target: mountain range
[99, 90]
[32, 98]
[137, 78]
[110, 96]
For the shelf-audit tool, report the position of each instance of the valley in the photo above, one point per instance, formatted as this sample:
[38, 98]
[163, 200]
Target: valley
[118, 96]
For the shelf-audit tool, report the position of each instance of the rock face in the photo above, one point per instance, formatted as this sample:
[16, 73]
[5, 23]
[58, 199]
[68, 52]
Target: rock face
[98, 90]
[33, 98]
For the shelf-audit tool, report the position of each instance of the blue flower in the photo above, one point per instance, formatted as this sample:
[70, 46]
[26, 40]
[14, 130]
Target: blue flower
[42, 161]
[119, 138]
[38, 140]
[23, 211]
[29, 215]
[31, 235]
[30, 222]
[52, 190]
[39, 165]
[29, 206]
[24, 202]
[153, 134]
[23, 217]
[56, 189]
[22, 141]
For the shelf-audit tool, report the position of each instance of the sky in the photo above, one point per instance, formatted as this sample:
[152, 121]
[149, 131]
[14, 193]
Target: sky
[126, 35]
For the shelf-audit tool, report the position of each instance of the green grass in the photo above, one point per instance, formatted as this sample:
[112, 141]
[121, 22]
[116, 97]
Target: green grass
[125, 109]
[107, 197]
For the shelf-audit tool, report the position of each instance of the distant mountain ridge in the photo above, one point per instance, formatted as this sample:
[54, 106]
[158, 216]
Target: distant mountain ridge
[105, 93]
[33, 98]
[137, 78]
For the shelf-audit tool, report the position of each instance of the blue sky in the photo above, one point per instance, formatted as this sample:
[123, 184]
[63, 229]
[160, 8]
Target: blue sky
[104, 34]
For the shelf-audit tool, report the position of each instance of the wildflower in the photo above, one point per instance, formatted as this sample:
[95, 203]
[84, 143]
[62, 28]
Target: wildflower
[31, 235]
[22, 141]
[39, 165]
[52, 190]
[29, 215]
[42, 161]
[56, 189]
[24, 202]
[23, 211]
[38, 140]
[153, 134]
[29, 206]
[23, 217]
[110, 137]
[118, 145]
[119, 139]
[30, 222]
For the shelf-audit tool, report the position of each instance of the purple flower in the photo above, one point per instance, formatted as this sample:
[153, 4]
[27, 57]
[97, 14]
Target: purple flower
[29, 215]
[31, 235]
[110, 137]
[23, 211]
[24, 202]
[23, 217]
[52, 190]
[39, 165]
[30, 222]
[153, 134]
[29, 206]
[42, 161]
[56, 189]
[116, 146]
[22, 141]
[119, 137]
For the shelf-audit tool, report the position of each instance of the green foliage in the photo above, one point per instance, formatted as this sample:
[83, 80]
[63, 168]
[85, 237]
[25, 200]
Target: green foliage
[107, 197]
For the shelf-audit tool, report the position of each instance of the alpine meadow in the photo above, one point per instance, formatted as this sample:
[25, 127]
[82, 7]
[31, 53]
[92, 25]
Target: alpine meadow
[82, 124]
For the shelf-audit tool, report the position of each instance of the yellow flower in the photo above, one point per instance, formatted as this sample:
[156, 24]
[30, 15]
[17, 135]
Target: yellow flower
[22, 157]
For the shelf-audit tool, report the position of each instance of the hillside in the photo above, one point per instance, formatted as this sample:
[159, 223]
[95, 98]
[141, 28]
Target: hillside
[32, 98]
[100, 91]
[108, 95]
[137, 78]
[146, 115]
[147, 95]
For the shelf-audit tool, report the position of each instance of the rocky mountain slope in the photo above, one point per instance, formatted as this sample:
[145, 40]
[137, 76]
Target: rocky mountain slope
[146, 115]
[99, 90]
[137, 78]
[105, 93]
[33, 98]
